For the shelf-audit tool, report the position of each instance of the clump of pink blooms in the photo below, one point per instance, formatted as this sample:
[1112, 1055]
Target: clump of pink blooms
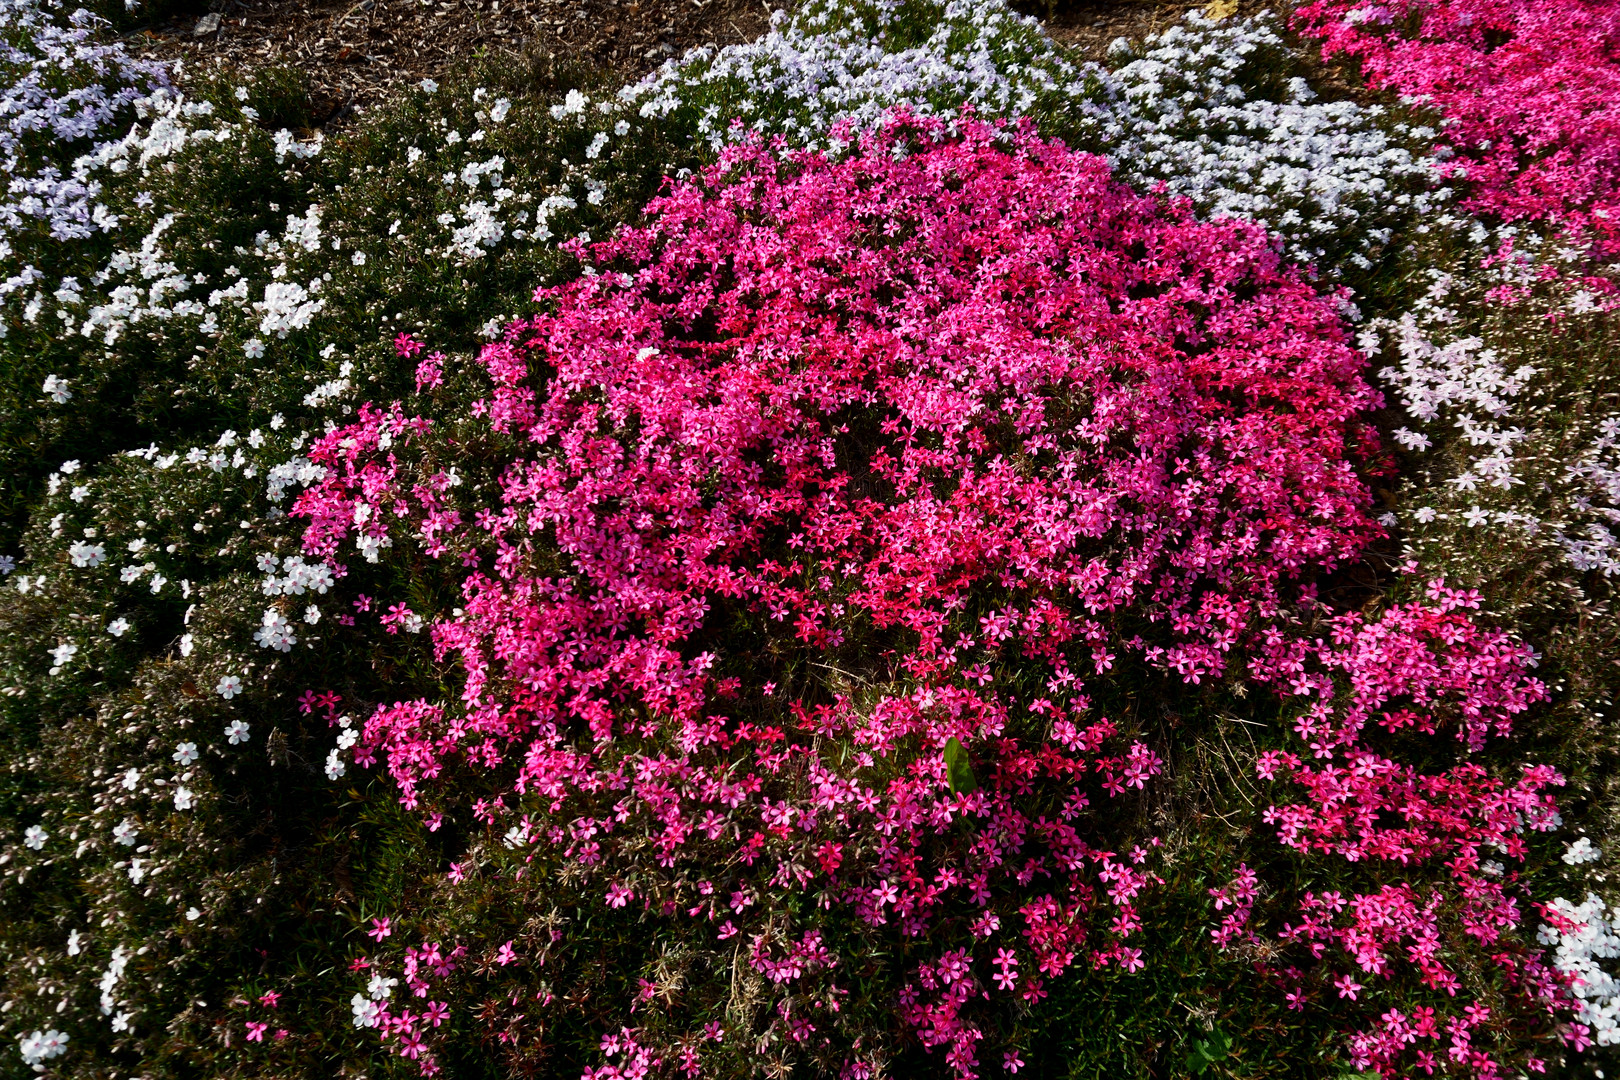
[1417, 670]
[1529, 91]
[975, 430]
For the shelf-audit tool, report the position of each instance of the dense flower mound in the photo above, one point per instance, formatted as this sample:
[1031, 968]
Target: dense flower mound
[1417, 669]
[964, 422]
[1530, 91]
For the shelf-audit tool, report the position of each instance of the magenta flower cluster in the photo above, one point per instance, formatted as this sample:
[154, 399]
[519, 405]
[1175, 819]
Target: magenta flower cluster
[974, 430]
[1529, 91]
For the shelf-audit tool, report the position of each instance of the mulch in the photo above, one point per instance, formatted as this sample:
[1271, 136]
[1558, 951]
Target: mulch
[354, 53]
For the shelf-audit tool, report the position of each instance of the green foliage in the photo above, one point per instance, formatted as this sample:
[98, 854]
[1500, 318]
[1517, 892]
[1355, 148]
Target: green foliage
[958, 768]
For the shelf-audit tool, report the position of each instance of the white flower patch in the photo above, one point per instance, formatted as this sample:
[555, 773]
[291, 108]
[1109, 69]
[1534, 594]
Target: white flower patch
[1594, 545]
[1586, 934]
[304, 230]
[299, 470]
[111, 977]
[1515, 450]
[42, 1046]
[89, 555]
[1582, 851]
[482, 231]
[287, 306]
[1187, 113]
[297, 576]
[287, 145]
[275, 632]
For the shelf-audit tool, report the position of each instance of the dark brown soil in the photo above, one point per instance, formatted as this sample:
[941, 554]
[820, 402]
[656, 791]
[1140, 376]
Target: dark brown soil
[354, 52]
[1089, 27]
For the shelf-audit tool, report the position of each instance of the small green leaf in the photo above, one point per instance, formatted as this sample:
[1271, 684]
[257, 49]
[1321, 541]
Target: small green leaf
[958, 770]
[1206, 1052]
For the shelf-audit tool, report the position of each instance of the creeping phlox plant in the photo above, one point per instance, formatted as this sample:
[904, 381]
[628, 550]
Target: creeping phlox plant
[978, 428]
[1529, 91]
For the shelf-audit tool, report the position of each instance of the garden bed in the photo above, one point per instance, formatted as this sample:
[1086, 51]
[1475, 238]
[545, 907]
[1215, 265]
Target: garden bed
[902, 537]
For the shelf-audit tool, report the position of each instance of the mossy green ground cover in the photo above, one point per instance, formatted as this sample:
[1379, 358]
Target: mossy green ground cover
[1262, 730]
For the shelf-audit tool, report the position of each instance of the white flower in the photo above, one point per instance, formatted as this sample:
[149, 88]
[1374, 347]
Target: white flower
[237, 732]
[381, 989]
[229, 686]
[42, 1046]
[253, 348]
[358, 258]
[84, 554]
[35, 837]
[1582, 851]
[132, 778]
[7, 564]
[183, 798]
[137, 870]
[312, 614]
[185, 754]
[334, 766]
[57, 388]
[275, 632]
[187, 643]
[428, 86]
[192, 914]
[118, 627]
[124, 832]
[61, 655]
[121, 1021]
[73, 944]
[366, 1012]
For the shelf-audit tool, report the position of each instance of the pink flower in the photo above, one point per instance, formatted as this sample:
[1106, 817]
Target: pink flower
[255, 1031]
[380, 929]
[505, 955]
